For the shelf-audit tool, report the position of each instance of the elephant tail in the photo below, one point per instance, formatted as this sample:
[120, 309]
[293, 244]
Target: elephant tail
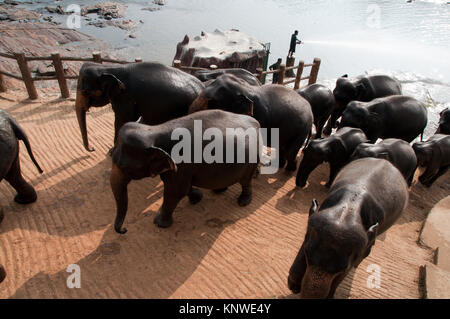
[20, 134]
[308, 138]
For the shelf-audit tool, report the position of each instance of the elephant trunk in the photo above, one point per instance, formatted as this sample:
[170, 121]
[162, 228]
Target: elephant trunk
[199, 104]
[316, 283]
[81, 106]
[119, 183]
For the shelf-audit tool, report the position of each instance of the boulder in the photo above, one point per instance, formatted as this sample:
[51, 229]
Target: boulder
[228, 49]
[108, 10]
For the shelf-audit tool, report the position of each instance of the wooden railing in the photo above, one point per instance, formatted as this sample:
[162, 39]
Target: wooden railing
[312, 78]
[28, 79]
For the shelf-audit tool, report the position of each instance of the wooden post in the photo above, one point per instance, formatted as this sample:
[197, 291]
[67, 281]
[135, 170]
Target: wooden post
[290, 62]
[314, 71]
[2, 83]
[26, 75]
[97, 56]
[177, 64]
[59, 70]
[138, 59]
[281, 72]
[260, 74]
[301, 65]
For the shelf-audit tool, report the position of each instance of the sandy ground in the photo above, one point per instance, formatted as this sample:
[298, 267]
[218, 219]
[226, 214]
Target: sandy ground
[215, 249]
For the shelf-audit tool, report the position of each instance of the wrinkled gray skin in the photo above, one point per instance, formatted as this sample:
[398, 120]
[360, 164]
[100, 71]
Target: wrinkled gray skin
[433, 154]
[273, 106]
[364, 88]
[396, 151]
[444, 122]
[153, 91]
[10, 134]
[208, 76]
[2, 273]
[395, 116]
[143, 151]
[335, 149]
[366, 198]
[322, 104]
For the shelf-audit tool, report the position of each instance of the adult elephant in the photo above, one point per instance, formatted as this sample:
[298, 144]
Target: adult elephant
[364, 88]
[273, 106]
[366, 198]
[322, 104]
[396, 116]
[10, 134]
[208, 76]
[153, 91]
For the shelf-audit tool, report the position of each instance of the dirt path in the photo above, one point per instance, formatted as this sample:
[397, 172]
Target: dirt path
[215, 249]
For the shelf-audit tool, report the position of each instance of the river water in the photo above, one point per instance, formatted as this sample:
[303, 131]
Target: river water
[408, 40]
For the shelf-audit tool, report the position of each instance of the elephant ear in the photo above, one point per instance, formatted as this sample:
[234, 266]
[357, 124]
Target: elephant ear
[111, 85]
[243, 105]
[160, 161]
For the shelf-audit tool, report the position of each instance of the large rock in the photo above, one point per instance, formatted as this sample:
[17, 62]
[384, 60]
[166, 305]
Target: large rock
[107, 10]
[228, 49]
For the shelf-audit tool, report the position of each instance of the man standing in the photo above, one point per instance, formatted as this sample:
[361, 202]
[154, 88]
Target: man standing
[294, 42]
[275, 66]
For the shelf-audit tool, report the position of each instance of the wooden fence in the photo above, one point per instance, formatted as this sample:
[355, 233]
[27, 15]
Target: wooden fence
[57, 62]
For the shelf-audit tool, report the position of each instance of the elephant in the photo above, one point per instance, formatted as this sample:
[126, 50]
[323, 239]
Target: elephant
[10, 134]
[150, 90]
[2, 273]
[273, 106]
[395, 116]
[398, 152]
[335, 149]
[444, 122]
[365, 200]
[364, 88]
[143, 151]
[434, 154]
[322, 104]
[208, 76]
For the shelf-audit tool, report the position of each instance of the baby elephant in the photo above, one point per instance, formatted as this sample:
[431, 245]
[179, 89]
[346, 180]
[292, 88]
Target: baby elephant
[366, 198]
[335, 150]
[396, 151]
[10, 134]
[322, 104]
[144, 151]
[433, 154]
[444, 122]
[395, 116]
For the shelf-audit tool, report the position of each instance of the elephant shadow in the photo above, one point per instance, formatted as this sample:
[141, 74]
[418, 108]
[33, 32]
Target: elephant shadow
[147, 261]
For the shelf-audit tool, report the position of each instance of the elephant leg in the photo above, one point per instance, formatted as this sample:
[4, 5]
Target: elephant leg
[297, 272]
[1, 214]
[319, 128]
[335, 284]
[293, 152]
[334, 170]
[332, 121]
[120, 118]
[433, 178]
[246, 195]
[195, 195]
[173, 194]
[25, 192]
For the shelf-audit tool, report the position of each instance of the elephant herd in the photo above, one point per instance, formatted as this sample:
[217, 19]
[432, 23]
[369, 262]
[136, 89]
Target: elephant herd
[368, 184]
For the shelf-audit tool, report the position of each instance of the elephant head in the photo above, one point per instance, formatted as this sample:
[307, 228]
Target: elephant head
[347, 91]
[364, 150]
[424, 152]
[96, 87]
[358, 116]
[317, 152]
[330, 249]
[444, 122]
[135, 157]
[228, 93]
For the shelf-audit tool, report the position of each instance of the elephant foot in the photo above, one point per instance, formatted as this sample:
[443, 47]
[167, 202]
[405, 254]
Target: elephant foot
[257, 172]
[163, 222]
[111, 150]
[291, 166]
[220, 190]
[120, 230]
[195, 196]
[25, 199]
[244, 199]
[2, 273]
